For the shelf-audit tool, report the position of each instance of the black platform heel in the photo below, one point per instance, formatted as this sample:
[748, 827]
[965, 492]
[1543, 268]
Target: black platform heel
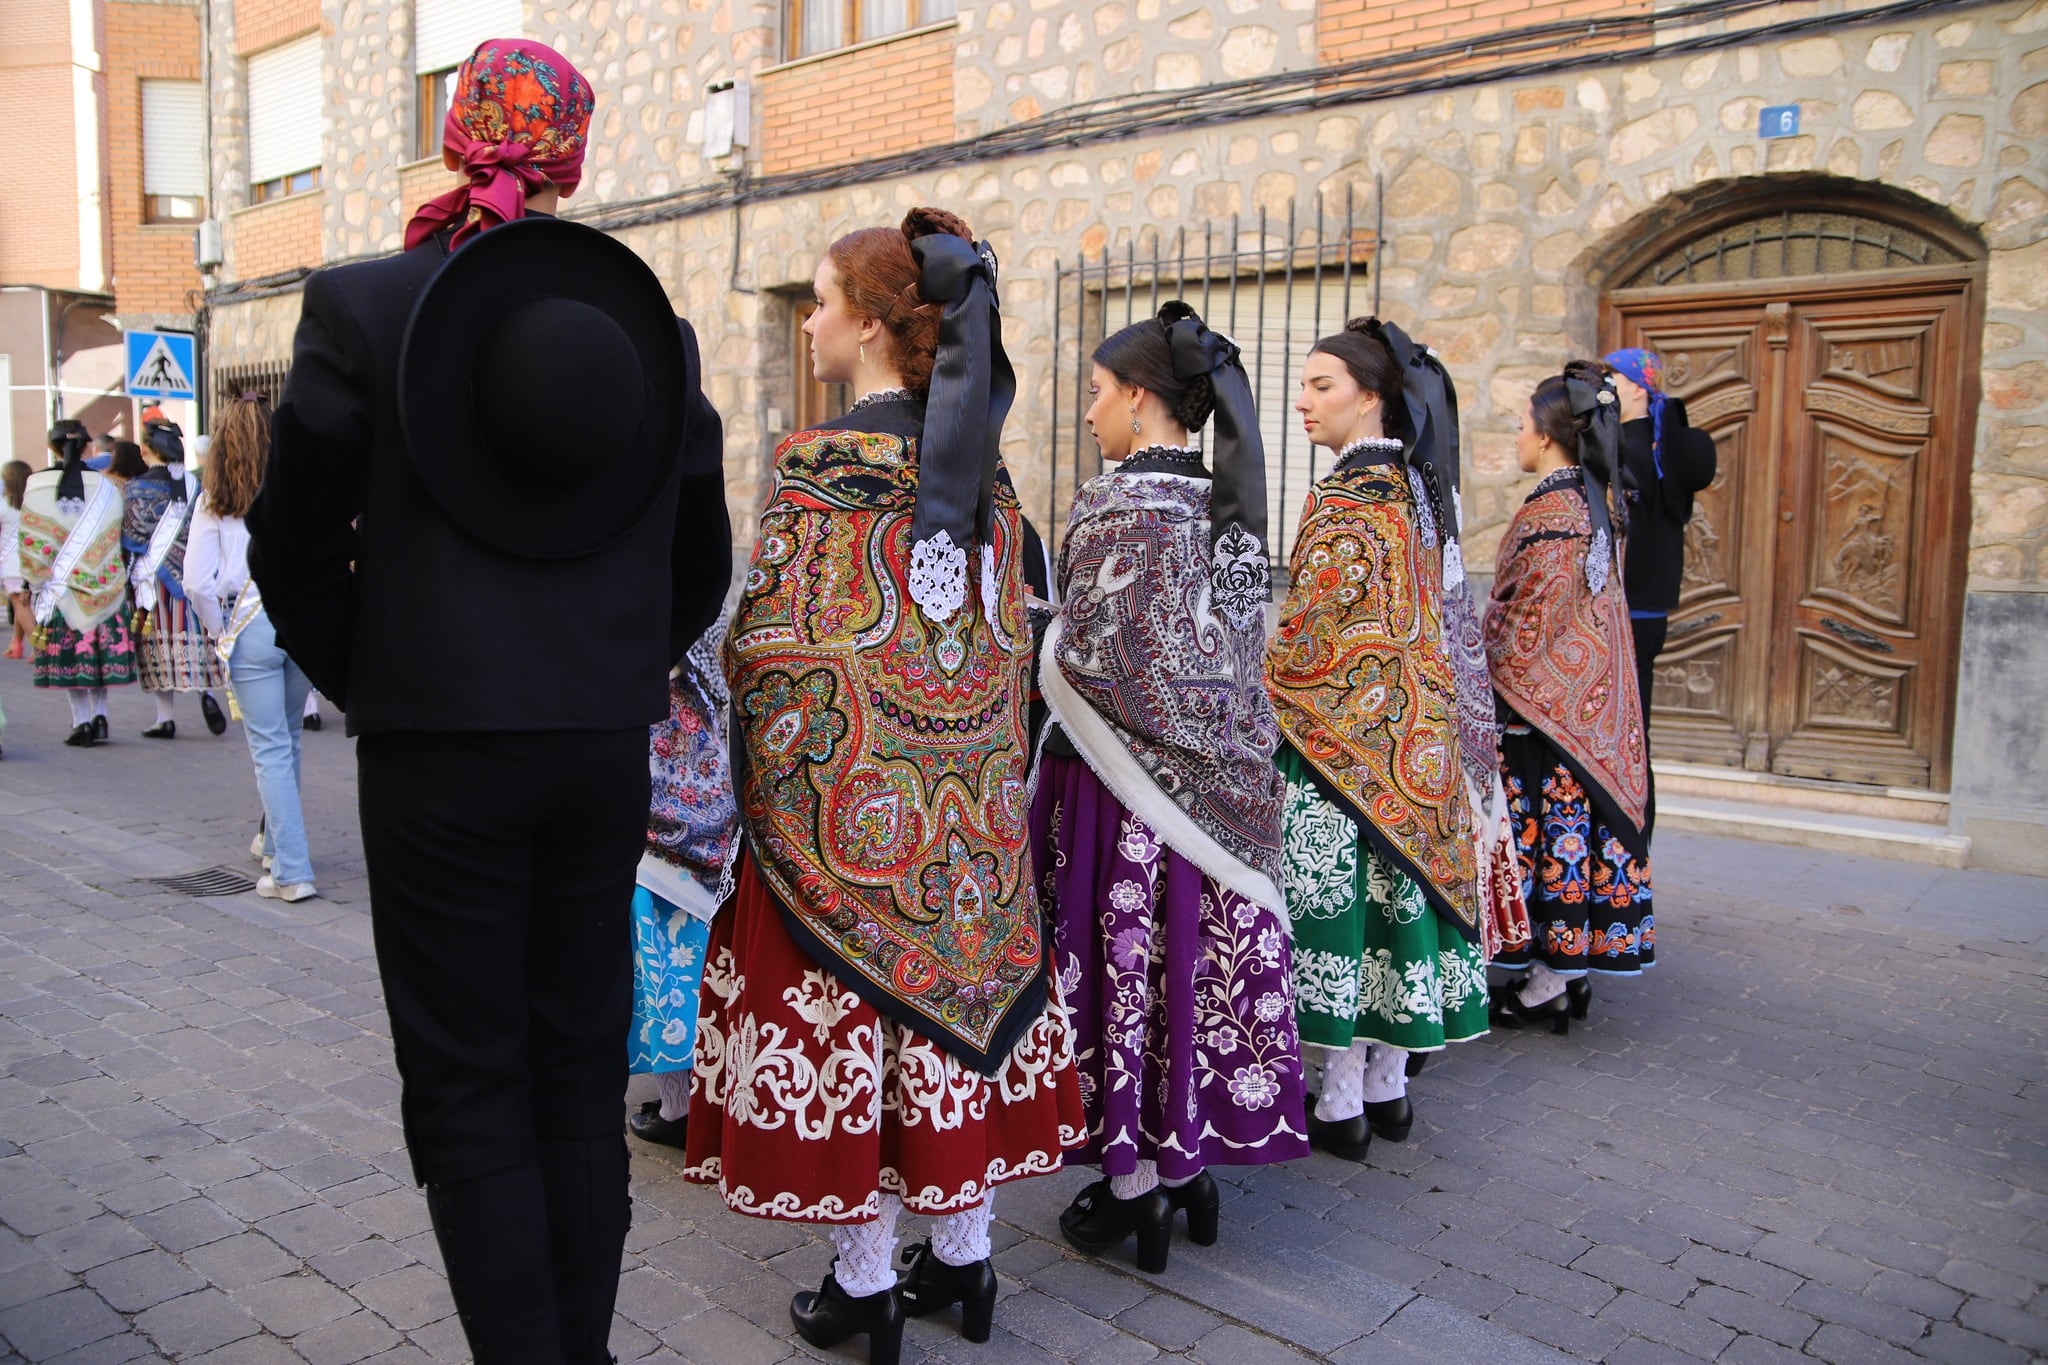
[828, 1316]
[1349, 1138]
[928, 1284]
[1097, 1220]
[1390, 1119]
[1579, 991]
[1199, 1199]
[1508, 1011]
[1417, 1061]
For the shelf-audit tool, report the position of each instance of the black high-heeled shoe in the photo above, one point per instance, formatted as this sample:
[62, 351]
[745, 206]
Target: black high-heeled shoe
[829, 1315]
[1097, 1220]
[928, 1284]
[1390, 1119]
[1579, 991]
[80, 736]
[1199, 1199]
[1348, 1138]
[99, 729]
[1508, 1011]
[648, 1125]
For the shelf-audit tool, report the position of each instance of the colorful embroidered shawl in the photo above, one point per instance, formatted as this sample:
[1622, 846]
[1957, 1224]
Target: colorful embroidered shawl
[144, 503]
[1159, 686]
[693, 821]
[1362, 680]
[884, 793]
[1561, 654]
[98, 585]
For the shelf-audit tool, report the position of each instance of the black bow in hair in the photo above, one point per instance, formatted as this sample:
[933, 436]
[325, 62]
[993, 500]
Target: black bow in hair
[1599, 446]
[971, 390]
[1237, 455]
[69, 438]
[1431, 401]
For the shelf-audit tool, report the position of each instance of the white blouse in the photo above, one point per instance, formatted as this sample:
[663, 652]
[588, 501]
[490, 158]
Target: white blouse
[216, 563]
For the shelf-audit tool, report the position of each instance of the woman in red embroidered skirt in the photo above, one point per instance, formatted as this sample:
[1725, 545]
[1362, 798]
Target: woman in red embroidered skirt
[877, 1029]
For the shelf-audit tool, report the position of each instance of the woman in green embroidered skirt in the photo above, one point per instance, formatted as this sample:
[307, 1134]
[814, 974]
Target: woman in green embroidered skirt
[1379, 844]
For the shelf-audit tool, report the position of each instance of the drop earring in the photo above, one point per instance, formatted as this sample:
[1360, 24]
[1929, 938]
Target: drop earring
[1137, 428]
[863, 353]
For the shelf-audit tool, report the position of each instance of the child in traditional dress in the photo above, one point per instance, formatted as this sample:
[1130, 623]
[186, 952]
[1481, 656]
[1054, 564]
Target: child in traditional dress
[1157, 818]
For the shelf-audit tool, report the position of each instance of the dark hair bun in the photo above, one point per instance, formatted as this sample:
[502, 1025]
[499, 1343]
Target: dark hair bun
[1192, 408]
[1367, 325]
[929, 222]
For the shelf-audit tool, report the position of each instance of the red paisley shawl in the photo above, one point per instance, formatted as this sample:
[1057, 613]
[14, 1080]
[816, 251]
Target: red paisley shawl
[885, 754]
[1561, 655]
[1362, 681]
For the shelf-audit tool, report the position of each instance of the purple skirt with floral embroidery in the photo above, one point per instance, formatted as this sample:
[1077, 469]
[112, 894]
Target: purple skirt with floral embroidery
[1180, 992]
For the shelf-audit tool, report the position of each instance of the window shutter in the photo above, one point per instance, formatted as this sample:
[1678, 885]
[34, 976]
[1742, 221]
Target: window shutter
[173, 131]
[446, 31]
[287, 121]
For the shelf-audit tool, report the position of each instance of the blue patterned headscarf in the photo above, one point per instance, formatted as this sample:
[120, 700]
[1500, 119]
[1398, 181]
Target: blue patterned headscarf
[1647, 370]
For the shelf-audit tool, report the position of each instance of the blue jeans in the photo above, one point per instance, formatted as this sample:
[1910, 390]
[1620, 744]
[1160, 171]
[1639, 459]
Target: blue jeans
[271, 691]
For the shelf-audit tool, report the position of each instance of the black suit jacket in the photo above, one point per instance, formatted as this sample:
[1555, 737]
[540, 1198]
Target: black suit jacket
[1653, 564]
[409, 624]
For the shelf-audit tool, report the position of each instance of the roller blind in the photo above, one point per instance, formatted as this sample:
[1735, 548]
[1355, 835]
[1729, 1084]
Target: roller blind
[173, 130]
[286, 118]
[446, 31]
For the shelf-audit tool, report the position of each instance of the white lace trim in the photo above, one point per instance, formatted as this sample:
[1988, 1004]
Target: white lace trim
[1377, 445]
[1599, 559]
[1425, 514]
[992, 599]
[1454, 565]
[874, 396]
[938, 576]
[1242, 579]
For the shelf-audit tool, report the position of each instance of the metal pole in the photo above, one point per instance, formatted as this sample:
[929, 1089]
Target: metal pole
[1052, 464]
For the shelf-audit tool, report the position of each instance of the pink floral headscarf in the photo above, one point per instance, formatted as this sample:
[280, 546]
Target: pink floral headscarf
[518, 122]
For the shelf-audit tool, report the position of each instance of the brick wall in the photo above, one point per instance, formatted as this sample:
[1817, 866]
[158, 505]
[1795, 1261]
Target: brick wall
[152, 265]
[1347, 30]
[267, 238]
[266, 23]
[420, 182]
[825, 112]
[39, 211]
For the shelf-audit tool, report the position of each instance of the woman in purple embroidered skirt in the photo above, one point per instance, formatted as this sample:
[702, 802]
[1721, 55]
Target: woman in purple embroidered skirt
[1156, 822]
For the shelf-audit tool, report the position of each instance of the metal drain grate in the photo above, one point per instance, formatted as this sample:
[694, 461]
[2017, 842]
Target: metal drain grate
[212, 881]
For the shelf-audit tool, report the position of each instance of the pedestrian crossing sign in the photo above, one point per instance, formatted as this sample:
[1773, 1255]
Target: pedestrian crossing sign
[160, 365]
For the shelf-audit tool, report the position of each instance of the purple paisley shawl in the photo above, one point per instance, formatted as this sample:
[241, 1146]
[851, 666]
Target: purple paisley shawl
[693, 821]
[1161, 693]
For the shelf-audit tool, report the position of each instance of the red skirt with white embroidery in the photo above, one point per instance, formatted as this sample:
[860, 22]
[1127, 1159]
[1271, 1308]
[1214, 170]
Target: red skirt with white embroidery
[807, 1105]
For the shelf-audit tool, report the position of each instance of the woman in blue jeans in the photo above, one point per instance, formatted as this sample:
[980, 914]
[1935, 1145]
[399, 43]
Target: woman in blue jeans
[268, 688]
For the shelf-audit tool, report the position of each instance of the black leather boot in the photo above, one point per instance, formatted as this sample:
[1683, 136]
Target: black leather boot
[827, 1316]
[928, 1284]
[1097, 1220]
[589, 1212]
[493, 1234]
[1348, 1138]
[1391, 1119]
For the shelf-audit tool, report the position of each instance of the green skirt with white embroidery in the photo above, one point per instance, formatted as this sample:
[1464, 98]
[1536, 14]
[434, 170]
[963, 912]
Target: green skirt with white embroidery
[1373, 961]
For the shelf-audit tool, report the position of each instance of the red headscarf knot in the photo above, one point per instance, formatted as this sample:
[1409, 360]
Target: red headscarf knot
[518, 122]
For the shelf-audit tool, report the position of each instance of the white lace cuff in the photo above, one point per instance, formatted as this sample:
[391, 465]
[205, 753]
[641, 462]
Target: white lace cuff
[938, 576]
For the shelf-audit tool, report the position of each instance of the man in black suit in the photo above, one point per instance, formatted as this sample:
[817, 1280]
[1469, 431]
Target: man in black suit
[493, 518]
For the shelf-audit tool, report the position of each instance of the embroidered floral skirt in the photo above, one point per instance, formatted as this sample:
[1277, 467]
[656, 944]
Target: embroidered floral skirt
[1588, 890]
[1372, 960]
[101, 657]
[668, 967]
[1182, 1008]
[806, 1105]
[177, 653]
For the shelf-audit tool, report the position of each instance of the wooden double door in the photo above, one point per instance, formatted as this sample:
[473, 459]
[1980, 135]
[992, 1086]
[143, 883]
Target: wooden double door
[1818, 627]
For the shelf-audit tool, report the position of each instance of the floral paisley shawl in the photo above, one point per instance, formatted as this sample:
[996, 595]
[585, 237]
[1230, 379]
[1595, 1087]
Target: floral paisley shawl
[98, 585]
[1363, 685]
[884, 793]
[1156, 686]
[692, 817]
[1561, 654]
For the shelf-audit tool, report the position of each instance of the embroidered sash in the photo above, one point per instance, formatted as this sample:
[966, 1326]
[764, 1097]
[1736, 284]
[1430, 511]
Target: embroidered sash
[85, 566]
[161, 541]
[884, 795]
[1363, 685]
[1159, 684]
[1561, 654]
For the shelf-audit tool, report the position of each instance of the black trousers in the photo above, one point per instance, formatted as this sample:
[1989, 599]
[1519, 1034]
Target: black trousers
[1649, 635]
[501, 879]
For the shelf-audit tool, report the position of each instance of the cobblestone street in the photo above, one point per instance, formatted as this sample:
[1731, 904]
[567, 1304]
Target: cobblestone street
[1819, 1130]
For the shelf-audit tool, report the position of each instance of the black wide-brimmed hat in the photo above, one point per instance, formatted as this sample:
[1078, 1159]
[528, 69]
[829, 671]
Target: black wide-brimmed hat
[541, 388]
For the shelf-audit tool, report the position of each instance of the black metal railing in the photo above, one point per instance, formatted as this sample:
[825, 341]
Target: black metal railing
[1274, 287]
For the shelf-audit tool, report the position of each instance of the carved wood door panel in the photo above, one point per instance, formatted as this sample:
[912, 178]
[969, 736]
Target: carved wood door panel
[1862, 661]
[1819, 619]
